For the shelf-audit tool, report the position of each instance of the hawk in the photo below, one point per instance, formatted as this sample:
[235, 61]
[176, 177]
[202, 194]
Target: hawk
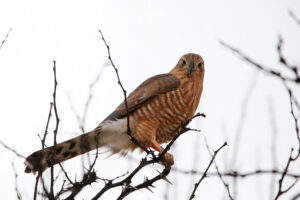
[157, 108]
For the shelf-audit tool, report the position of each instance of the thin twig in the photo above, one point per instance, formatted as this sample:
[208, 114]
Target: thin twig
[284, 61]
[132, 138]
[237, 174]
[66, 174]
[259, 66]
[57, 120]
[280, 190]
[11, 149]
[205, 172]
[55, 130]
[297, 130]
[16, 181]
[3, 41]
[293, 16]
[47, 125]
[218, 171]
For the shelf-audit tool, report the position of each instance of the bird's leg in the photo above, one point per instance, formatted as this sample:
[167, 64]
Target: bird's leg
[169, 159]
[145, 133]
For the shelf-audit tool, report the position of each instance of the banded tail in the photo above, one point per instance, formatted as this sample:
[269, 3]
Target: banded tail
[110, 133]
[42, 159]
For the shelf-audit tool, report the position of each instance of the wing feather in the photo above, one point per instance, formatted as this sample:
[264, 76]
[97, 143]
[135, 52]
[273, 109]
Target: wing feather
[150, 88]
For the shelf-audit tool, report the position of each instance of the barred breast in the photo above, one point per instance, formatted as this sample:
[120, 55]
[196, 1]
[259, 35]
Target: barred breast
[168, 111]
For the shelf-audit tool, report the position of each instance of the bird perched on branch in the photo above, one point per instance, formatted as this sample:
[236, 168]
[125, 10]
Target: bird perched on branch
[157, 109]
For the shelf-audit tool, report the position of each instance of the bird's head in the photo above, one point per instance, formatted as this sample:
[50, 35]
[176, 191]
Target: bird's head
[190, 65]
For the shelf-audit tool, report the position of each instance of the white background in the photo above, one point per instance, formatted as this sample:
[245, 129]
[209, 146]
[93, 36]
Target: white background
[147, 38]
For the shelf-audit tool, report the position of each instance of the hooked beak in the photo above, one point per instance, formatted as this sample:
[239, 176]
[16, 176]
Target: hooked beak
[191, 67]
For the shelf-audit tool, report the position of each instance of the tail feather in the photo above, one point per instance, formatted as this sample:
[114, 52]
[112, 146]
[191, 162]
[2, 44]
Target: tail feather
[42, 159]
[110, 133]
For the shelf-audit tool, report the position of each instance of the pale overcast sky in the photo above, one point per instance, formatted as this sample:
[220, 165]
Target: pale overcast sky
[146, 38]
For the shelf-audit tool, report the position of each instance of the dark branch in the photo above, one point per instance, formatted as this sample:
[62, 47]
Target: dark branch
[284, 61]
[11, 149]
[280, 190]
[237, 174]
[47, 125]
[205, 172]
[126, 182]
[218, 171]
[132, 138]
[55, 130]
[259, 66]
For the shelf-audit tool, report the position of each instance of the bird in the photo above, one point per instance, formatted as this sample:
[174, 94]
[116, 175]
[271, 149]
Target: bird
[156, 110]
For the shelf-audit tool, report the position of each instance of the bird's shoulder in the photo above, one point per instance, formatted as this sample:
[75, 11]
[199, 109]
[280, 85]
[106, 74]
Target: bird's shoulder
[149, 89]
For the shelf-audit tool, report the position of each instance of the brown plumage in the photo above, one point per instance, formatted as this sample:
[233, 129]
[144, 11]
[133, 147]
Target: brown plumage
[157, 109]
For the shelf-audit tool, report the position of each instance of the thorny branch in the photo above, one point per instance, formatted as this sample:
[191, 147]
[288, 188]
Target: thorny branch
[126, 182]
[90, 176]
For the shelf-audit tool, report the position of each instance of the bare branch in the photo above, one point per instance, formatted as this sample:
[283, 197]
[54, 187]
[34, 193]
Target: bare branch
[259, 66]
[284, 61]
[3, 41]
[237, 174]
[57, 120]
[297, 130]
[218, 171]
[132, 138]
[16, 181]
[55, 130]
[280, 190]
[205, 172]
[87, 179]
[47, 125]
[11, 149]
[293, 16]
[126, 182]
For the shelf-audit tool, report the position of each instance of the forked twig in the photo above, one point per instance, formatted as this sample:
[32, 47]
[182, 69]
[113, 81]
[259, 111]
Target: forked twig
[206, 170]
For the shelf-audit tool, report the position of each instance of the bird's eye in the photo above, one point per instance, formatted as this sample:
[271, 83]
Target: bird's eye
[183, 62]
[200, 65]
